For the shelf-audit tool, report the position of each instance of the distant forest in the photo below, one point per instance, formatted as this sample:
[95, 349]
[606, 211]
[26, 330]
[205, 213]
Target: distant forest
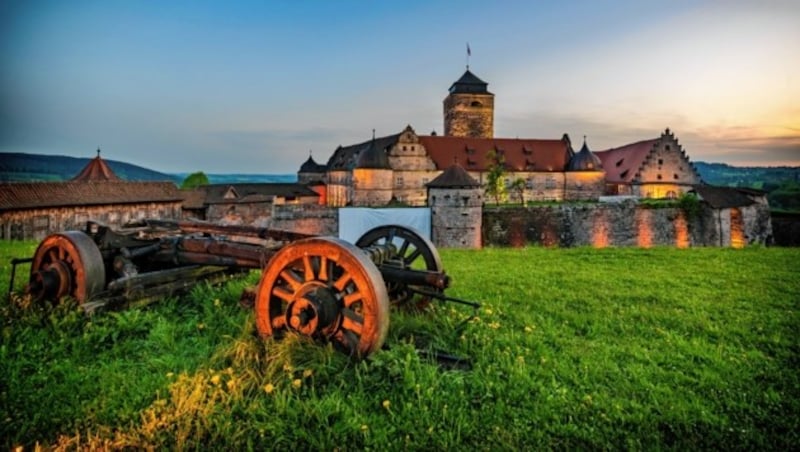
[781, 183]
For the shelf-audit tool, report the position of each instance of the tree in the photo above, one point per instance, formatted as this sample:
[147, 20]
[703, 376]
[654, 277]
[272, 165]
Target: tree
[495, 183]
[518, 187]
[194, 180]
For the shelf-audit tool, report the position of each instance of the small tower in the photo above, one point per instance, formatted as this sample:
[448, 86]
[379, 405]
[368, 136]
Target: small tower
[469, 108]
[584, 178]
[456, 202]
[97, 170]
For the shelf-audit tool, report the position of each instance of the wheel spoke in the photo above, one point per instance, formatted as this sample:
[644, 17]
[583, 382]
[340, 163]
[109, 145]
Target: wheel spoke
[283, 294]
[413, 256]
[279, 322]
[308, 268]
[351, 298]
[323, 269]
[352, 321]
[342, 281]
[403, 248]
[292, 278]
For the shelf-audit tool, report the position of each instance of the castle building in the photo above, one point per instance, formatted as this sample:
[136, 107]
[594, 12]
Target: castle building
[396, 168]
[656, 168]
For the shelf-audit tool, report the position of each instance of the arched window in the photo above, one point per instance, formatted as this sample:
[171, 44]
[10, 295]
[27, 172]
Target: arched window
[475, 103]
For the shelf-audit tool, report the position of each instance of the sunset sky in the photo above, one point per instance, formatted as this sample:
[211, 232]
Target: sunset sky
[252, 87]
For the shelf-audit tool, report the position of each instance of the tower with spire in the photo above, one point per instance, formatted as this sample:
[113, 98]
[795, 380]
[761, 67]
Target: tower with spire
[469, 108]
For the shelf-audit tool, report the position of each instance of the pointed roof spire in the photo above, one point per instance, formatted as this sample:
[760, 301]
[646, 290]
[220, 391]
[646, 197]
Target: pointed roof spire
[454, 177]
[96, 170]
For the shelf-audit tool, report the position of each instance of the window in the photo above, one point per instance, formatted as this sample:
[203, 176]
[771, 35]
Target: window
[529, 184]
[405, 148]
[399, 182]
[675, 176]
[660, 161]
[658, 177]
[550, 182]
[623, 174]
[475, 103]
[619, 162]
[666, 147]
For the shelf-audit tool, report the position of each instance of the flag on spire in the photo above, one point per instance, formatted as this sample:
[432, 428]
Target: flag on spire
[469, 52]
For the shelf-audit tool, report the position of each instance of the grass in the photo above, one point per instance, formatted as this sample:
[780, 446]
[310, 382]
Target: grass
[573, 348]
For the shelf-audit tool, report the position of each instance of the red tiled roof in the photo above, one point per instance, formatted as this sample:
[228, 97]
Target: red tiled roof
[96, 170]
[621, 164]
[519, 154]
[27, 195]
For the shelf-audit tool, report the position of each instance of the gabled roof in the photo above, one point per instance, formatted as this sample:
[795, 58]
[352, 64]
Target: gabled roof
[519, 154]
[96, 170]
[244, 193]
[311, 166]
[725, 197]
[623, 163]
[193, 198]
[469, 83]
[27, 195]
[454, 177]
[345, 157]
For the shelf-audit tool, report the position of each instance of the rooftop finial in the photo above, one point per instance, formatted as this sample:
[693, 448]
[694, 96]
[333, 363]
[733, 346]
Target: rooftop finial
[373, 134]
[584, 140]
[98, 151]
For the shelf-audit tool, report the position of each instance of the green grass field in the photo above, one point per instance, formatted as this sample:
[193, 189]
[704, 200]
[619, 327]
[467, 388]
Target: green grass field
[573, 348]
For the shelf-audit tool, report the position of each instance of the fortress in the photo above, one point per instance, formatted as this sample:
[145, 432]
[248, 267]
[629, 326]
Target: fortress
[396, 169]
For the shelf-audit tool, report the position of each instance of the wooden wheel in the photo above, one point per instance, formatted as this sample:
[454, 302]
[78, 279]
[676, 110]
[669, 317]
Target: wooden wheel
[412, 251]
[325, 288]
[67, 263]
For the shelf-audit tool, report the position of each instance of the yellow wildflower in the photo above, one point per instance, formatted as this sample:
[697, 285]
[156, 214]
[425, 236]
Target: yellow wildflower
[364, 427]
[215, 379]
[268, 388]
[386, 404]
[307, 373]
[297, 383]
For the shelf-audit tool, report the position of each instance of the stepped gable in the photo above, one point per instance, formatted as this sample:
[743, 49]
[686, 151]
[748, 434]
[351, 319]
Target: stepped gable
[96, 170]
[622, 164]
[520, 154]
[345, 157]
[454, 177]
[27, 195]
[584, 160]
[469, 83]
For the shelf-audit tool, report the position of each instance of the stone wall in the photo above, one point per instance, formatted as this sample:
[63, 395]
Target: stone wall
[623, 224]
[469, 115]
[39, 223]
[456, 217]
[308, 219]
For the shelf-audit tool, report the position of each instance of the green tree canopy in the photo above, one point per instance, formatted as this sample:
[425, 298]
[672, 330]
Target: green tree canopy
[495, 183]
[194, 180]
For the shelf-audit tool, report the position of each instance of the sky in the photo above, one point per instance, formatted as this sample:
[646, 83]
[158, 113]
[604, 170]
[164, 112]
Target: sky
[255, 86]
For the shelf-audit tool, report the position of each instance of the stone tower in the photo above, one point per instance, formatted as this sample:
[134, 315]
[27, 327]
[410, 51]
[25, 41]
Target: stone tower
[456, 202]
[469, 108]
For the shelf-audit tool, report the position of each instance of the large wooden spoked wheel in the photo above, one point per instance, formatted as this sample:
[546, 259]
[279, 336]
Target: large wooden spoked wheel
[325, 288]
[413, 251]
[67, 264]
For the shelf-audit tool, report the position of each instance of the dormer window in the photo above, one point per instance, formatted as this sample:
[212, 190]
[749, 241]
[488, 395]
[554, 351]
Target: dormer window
[619, 162]
[527, 150]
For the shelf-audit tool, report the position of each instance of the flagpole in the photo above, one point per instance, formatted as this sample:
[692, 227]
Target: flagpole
[469, 53]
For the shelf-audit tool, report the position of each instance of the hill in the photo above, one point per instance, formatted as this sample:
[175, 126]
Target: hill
[21, 167]
[765, 178]
[244, 178]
